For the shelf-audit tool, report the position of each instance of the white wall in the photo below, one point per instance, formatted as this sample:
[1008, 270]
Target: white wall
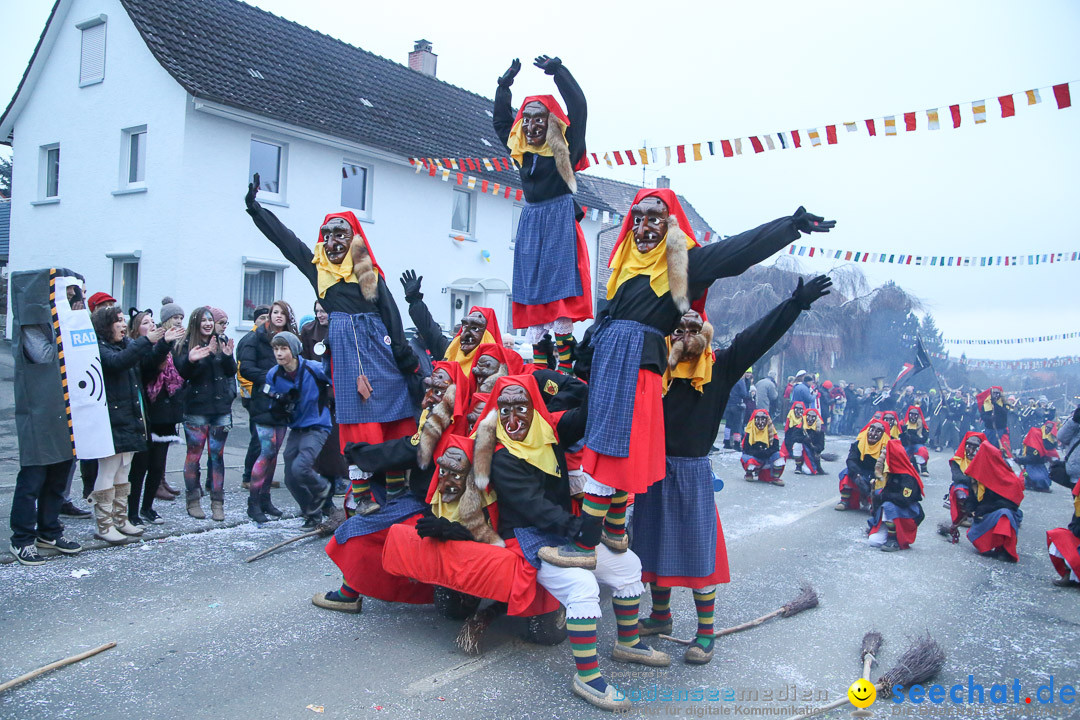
[190, 224]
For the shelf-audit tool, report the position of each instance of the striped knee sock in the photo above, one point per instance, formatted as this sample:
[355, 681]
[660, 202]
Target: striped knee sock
[540, 355]
[661, 602]
[360, 486]
[562, 345]
[705, 603]
[626, 618]
[395, 482]
[344, 594]
[595, 506]
[582, 634]
[615, 519]
[890, 528]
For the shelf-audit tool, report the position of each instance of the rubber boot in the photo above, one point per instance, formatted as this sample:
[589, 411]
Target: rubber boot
[255, 511]
[121, 521]
[217, 510]
[102, 502]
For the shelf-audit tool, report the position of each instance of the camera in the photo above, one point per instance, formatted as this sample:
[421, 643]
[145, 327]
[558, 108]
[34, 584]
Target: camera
[282, 405]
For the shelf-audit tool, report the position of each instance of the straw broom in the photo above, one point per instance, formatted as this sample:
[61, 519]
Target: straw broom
[871, 645]
[472, 632]
[324, 529]
[921, 662]
[806, 599]
[58, 664]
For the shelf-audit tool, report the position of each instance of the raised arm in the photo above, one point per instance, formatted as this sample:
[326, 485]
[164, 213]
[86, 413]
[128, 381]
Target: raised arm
[727, 258]
[576, 108]
[286, 241]
[502, 112]
[429, 330]
[392, 455]
[114, 360]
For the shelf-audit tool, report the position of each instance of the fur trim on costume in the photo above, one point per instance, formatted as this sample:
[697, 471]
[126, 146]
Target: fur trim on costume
[471, 514]
[680, 352]
[559, 150]
[484, 449]
[678, 263]
[489, 382]
[364, 270]
[439, 418]
[174, 439]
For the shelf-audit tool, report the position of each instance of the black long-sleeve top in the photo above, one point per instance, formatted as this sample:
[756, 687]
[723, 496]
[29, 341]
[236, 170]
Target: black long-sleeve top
[429, 330]
[393, 456]
[912, 437]
[540, 180]
[211, 382]
[760, 451]
[896, 484]
[990, 502]
[635, 300]
[857, 465]
[814, 439]
[996, 418]
[692, 418]
[529, 497]
[341, 296]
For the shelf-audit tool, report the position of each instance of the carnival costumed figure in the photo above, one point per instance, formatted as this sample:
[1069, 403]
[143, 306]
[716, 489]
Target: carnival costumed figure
[761, 450]
[1063, 546]
[1039, 449]
[552, 285]
[374, 370]
[896, 501]
[961, 497]
[658, 272]
[677, 531]
[813, 430]
[994, 412]
[996, 514]
[793, 434]
[857, 477]
[915, 434]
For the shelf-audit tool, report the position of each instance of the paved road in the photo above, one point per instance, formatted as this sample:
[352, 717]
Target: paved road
[202, 635]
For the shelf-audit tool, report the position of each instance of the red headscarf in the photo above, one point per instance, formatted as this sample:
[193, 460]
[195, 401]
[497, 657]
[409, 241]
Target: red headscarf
[897, 462]
[461, 442]
[1034, 440]
[555, 109]
[491, 334]
[462, 392]
[792, 421]
[918, 411]
[960, 458]
[513, 362]
[475, 400]
[991, 471]
[983, 398]
[528, 382]
[358, 231]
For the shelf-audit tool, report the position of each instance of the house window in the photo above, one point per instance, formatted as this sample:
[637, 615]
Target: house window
[92, 56]
[515, 218]
[49, 172]
[355, 186]
[462, 218]
[125, 285]
[262, 286]
[269, 158]
[133, 157]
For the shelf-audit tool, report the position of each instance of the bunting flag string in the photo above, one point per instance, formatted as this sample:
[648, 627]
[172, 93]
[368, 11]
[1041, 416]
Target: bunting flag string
[1036, 364]
[942, 261]
[1029, 391]
[1014, 341]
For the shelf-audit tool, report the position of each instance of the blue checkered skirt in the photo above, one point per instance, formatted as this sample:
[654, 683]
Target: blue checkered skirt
[674, 525]
[389, 399]
[390, 514]
[612, 384]
[545, 253]
[531, 539]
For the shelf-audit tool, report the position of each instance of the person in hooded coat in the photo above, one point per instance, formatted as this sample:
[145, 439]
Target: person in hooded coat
[1038, 450]
[914, 435]
[996, 514]
[896, 501]
[857, 477]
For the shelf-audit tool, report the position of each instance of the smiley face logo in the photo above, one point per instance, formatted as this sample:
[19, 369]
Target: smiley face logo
[862, 693]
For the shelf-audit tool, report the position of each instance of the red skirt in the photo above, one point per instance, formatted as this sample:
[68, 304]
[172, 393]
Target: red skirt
[479, 569]
[1000, 537]
[360, 561]
[1069, 546]
[906, 530]
[645, 463]
[720, 573]
[576, 308]
[375, 433]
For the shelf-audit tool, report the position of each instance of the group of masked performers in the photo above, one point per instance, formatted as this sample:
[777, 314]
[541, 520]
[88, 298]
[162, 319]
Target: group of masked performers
[804, 439]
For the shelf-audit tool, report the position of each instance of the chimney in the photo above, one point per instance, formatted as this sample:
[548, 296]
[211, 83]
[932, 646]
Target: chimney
[421, 59]
[663, 182]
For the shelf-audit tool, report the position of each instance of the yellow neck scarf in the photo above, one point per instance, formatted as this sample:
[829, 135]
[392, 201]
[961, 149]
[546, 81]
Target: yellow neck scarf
[454, 353]
[980, 490]
[536, 448]
[629, 263]
[914, 424]
[329, 273]
[807, 424]
[1048, 436]
[519, 145]
[866, 449]
[755, 435]
[450, 510]
[962, 461]
[793, 421]
[698, 372]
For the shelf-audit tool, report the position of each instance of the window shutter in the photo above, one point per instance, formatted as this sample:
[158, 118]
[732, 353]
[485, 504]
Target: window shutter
[92, 67]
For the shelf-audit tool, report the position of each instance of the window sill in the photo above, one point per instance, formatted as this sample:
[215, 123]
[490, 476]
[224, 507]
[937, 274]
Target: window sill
[46, 201]
[88, 83]
[275, 203]
[129, 191]
[455, 235]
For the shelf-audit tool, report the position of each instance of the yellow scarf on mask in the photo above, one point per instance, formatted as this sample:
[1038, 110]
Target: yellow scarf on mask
[628, 263]
[1048, 436]
[756, 435]
[794, 421]
[866, 449]
[450, 510]
[962, 461]
[807, 425]
[519, 145]
[536, 448]
[454, 354]
[329, 273]
[698, 371]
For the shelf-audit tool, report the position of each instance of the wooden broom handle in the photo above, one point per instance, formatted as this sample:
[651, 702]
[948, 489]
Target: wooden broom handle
[52, 666]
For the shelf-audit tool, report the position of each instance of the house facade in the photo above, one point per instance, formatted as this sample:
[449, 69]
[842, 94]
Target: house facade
[138, 124]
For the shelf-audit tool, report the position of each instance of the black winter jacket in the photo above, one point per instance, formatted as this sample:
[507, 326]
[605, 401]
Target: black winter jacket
[256, 358]
[120, 364]
[211, 383]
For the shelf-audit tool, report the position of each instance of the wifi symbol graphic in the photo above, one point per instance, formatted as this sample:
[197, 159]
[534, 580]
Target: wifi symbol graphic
[94, 382]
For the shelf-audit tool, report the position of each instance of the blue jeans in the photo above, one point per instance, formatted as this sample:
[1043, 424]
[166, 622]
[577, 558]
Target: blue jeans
[35, 506]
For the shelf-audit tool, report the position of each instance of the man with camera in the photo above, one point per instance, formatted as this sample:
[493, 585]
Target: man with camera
[300, 396]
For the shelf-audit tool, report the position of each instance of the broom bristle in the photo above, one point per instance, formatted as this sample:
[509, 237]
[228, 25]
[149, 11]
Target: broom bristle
[829, 456]
[806, 599]
[328, 526]
[472, 632]
[871, 644]
[944, 528]
[922, 661]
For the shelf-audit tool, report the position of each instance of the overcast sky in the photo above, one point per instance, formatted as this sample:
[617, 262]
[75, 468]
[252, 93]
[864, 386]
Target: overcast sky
[683, 72]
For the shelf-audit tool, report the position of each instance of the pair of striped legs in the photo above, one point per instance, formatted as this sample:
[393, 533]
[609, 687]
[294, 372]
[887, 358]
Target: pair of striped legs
[704, 603]
[609, 509]
[582, 634]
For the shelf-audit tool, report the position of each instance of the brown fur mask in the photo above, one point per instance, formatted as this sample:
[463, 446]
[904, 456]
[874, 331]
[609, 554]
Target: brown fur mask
[678, 264]
[557, 142]
[471, 514]
[484, 449]
[489, 382]
[439, 418]
[364, 270]
[697, 344]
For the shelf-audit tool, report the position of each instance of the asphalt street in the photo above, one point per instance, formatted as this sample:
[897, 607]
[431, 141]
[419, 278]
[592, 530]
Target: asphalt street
[201, 634]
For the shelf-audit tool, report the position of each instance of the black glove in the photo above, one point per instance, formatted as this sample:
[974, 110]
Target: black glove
[253, 190]
[809, 223]
[441, 529]
[411, 283]
[589, 533]
[456, 531]
[354, 453]
[548, 64]
[507, 78]
[805, 295]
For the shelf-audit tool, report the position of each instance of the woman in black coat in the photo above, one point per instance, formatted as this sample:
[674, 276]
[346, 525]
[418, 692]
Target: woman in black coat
[120, 360]
[163, 398]
[206, 362]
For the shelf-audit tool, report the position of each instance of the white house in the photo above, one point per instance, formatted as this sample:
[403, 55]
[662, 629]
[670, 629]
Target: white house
[138, 124]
